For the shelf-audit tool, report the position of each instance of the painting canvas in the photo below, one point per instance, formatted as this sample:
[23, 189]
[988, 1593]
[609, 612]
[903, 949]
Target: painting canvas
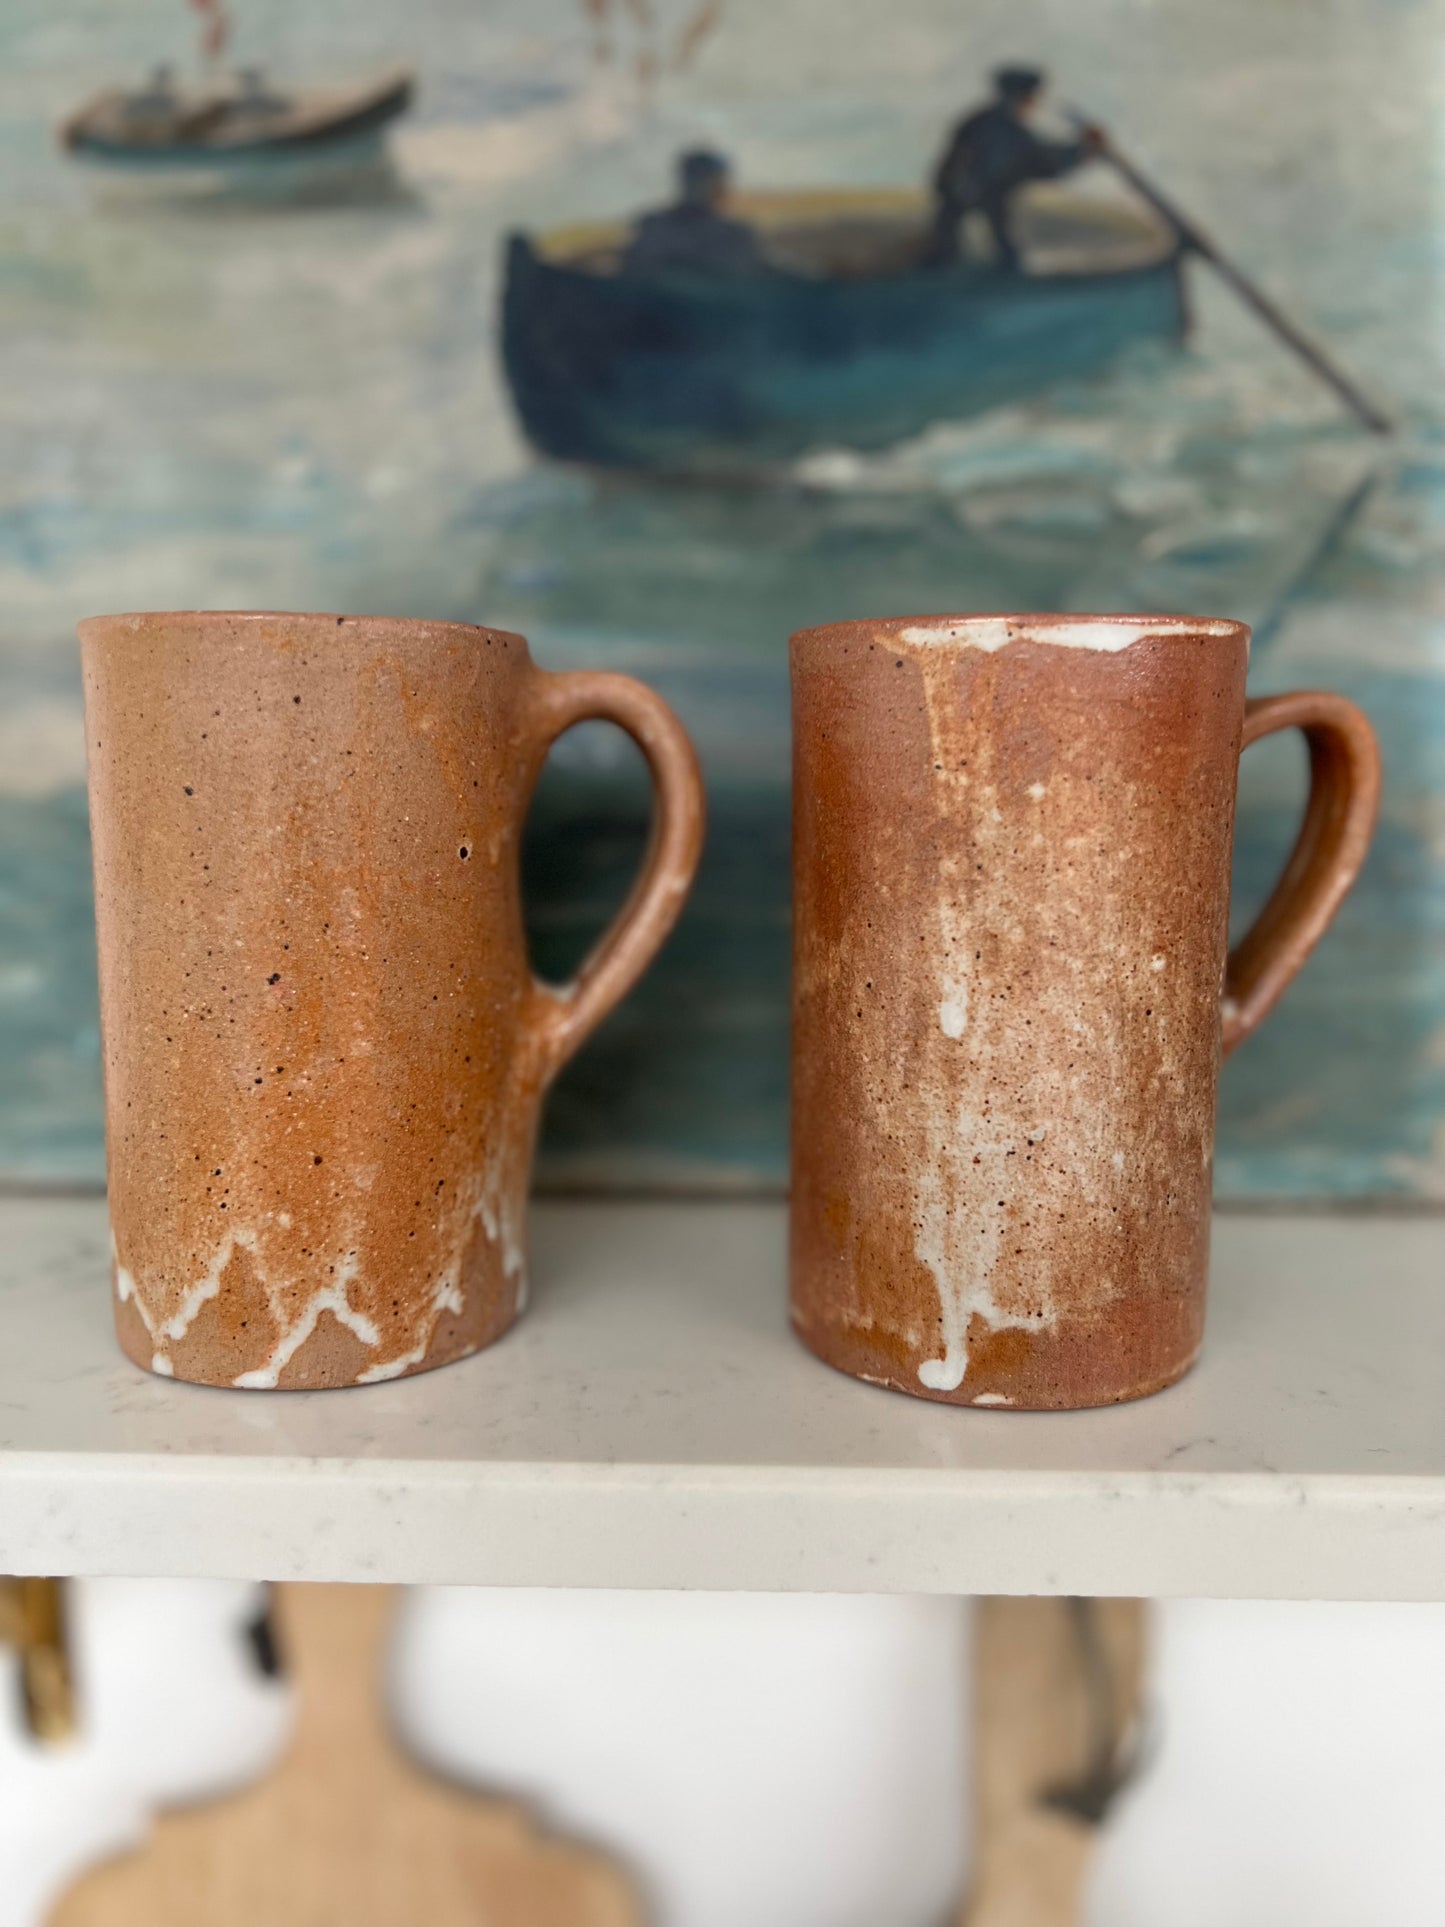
[312, 304]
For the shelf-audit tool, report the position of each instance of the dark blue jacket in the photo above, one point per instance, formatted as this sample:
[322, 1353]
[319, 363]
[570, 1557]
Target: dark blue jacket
[692, 239]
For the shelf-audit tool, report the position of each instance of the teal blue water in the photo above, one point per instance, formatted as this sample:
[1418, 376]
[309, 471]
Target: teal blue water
[301, 407]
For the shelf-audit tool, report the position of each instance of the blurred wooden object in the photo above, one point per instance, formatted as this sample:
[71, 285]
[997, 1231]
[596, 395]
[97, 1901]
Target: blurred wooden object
[347, 1829]
[1058, 1693]
[32, 1619]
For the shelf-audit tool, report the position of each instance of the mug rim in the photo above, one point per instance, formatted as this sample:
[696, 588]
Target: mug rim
[1029, 626]
[139, 621]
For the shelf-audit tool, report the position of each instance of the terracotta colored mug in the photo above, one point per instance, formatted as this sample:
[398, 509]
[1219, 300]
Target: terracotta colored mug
[1012, 841]
[324, 1049]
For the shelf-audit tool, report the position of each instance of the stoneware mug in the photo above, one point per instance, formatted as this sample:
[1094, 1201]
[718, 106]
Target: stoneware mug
[1012, 841]
[324, 1049]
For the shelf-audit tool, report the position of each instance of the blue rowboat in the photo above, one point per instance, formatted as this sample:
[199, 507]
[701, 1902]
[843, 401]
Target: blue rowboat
[846, 341]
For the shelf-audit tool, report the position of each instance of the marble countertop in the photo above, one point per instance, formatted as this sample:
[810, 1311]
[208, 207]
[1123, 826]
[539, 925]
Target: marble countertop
[652, 1423]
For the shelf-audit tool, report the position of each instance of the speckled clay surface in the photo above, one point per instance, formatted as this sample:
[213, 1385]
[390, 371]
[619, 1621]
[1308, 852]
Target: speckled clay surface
[324, 1050]
[1011, 891]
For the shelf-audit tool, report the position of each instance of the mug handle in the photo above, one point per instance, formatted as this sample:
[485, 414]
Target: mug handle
[1339, 821]
[563, 1016]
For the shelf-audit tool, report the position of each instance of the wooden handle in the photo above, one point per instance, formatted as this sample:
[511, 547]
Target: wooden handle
[1333, 839]
[33, 1619]
[563, 1016]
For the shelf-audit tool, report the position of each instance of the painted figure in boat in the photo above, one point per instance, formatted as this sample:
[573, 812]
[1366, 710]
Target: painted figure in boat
[255, 94]
[158, 99]
[992, 154]
[695, 235]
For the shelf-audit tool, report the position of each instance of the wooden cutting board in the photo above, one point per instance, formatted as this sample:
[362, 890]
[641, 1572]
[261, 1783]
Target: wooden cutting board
[1058, 1695]
[347, 1829]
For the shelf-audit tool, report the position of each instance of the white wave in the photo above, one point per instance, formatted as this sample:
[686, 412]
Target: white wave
[470, 154]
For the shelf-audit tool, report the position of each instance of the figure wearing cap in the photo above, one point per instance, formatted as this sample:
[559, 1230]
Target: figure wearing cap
[695, 235]
[991, 155]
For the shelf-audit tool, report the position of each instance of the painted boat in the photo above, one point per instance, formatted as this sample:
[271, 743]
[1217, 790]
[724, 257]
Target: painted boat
[846, 341]
[232, 127]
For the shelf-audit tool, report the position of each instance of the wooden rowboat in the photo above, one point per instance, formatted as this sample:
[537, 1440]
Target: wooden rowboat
[846, 341]
[231, 126]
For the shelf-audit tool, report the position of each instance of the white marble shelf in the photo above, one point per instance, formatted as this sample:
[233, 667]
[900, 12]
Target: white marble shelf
[652, 1423]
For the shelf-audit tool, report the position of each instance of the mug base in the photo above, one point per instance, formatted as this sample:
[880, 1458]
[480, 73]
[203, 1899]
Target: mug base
[1058, 1390]
[332, 1357]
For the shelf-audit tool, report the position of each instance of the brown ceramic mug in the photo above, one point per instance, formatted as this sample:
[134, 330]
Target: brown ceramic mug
[1012, 840]
[324, 1048]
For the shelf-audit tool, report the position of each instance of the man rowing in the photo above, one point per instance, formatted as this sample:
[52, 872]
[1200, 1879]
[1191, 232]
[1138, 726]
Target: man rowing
[992, 154]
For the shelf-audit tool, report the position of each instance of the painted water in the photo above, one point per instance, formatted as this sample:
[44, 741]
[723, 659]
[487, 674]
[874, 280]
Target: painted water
[300, 406]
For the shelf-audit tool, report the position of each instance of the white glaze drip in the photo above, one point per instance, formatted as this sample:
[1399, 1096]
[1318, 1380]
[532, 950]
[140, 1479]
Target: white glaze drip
[991, 633]
[331, 1297]
[493, 1199]
[961, 1250]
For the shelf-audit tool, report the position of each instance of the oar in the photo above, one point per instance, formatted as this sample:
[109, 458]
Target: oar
[1194, 238]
